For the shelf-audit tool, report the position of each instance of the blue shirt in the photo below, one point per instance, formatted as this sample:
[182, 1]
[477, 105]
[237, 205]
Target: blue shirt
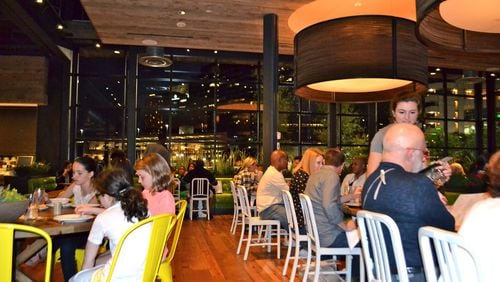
[411, 200]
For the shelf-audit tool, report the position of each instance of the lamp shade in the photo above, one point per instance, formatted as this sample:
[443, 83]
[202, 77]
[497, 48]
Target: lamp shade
[364, 58]
[435, 32]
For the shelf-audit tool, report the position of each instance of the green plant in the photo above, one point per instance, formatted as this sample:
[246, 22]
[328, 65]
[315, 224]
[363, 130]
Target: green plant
[36, 169]
[10, 195]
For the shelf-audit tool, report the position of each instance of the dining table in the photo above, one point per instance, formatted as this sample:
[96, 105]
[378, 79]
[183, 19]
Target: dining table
[51, 224]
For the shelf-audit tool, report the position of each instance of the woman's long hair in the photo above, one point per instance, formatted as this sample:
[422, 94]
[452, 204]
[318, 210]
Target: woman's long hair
[158, 168]
[115, 184]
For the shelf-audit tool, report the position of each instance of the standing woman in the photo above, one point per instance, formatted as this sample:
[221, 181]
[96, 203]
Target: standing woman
[125, 206]
[156, 178]
[311, 161]
[405, 109]
[82, 188]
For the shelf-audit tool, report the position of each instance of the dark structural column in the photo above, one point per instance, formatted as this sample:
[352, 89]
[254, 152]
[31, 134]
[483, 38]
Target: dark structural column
[491, 118]
[131, 102]
[270, 81]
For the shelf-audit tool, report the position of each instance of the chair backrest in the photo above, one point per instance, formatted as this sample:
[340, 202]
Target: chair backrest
[243, 198]
[177, 191]
[200, 187]
[181, 210]
[161, 225]
[293, 225]
[452, 256]
[235, 194]
[374, 244]
[309, 220]
[7, 256]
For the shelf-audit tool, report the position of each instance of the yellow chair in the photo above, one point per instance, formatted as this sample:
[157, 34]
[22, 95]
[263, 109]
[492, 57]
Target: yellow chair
[79, 255]
[160, 231]
[7, 256]
[165, 271]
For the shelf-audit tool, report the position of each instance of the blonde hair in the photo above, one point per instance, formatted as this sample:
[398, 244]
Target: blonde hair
[309, 157]
[248, 162]
[160, 172]
[457, 169]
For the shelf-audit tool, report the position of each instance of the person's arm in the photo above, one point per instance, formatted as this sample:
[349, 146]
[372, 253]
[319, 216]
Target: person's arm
[374, 159]
[432, 210]
[91, 250]
[84, 209]
[68, 192]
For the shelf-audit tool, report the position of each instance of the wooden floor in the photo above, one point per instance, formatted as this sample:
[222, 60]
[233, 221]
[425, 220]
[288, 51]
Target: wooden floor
[207, 252]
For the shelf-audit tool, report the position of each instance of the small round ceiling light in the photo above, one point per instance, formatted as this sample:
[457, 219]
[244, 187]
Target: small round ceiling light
[181, 24]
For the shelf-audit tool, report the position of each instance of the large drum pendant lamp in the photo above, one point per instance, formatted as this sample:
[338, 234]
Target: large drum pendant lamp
[360, 58]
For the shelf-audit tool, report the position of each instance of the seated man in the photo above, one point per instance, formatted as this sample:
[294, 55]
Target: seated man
[269, 200]
[200, 171]
[397, 190]
[323, 187]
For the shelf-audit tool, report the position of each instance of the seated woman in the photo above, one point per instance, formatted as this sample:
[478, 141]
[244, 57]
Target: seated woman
[83, 191]
[124, 207]
[247, 175]
[82, 188]
[156, 178]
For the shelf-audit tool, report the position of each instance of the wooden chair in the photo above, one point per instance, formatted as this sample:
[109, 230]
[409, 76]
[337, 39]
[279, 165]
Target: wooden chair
[375, 253]
[294, 236]
[165, 271]
[312, 233]
[200, 191]
[161, 227]
[453, 257]
[250, 222]
[7, 255]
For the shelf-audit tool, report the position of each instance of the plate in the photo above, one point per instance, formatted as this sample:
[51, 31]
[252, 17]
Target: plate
[73, 218]
[353, 204]
[42, 207]
[88, 205]
[67, 205]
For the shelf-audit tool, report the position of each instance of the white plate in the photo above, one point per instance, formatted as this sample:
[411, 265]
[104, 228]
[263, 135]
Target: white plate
[87, 205]
[353, 204]
[42, 207]
[73, 218]
[67, 205]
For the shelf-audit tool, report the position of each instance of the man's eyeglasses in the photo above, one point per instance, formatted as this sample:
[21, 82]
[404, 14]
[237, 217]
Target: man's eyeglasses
[424, 151]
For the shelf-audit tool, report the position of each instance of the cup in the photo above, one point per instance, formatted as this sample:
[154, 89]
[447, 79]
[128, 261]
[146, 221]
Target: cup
[57, 208]
[32, 213]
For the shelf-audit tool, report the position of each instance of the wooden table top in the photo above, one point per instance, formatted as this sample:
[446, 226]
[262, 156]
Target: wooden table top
[46, 222]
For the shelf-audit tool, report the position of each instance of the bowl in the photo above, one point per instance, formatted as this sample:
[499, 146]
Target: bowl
[11, 211]
[59, 200]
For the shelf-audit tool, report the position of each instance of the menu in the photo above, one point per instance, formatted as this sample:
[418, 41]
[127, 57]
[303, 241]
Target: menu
[463, 204]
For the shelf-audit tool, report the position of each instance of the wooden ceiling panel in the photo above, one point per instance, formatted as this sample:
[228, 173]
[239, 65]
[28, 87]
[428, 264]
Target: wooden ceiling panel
[214, 25]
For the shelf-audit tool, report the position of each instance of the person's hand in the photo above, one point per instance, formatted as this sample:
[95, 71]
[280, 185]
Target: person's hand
[445, 169]
[443, 198]
[350, 225]
[84, 209]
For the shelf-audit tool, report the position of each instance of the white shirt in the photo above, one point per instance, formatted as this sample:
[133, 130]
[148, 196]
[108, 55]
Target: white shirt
[269, 190]
[350, 184]
[112, 223]
[481, 230]
[79, 198]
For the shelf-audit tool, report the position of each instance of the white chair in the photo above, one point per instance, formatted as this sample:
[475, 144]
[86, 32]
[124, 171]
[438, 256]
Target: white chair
[250, 222]
[312, 233]
[452, 256]
[237, 215]
[373, 241]
[294, 236]
[177, 192]
[200, 192]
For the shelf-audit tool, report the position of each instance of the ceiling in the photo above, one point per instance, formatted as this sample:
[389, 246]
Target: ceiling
[222, 25]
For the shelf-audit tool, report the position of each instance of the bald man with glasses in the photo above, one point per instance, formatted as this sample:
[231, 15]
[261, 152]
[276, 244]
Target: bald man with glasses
[396, 189]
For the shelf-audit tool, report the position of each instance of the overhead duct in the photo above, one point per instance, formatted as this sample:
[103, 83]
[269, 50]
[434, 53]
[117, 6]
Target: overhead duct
[155, 58]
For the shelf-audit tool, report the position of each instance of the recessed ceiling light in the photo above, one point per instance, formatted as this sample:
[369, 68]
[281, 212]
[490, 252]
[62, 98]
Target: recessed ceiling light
[116, 52]
[60, 27]
[182, 13]
[208, 11]
[438, 69]
[97, 45]
[433, 73]
[181, 24]
[215, 52]
[188, 50]
[149, 42]
[39, 1]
